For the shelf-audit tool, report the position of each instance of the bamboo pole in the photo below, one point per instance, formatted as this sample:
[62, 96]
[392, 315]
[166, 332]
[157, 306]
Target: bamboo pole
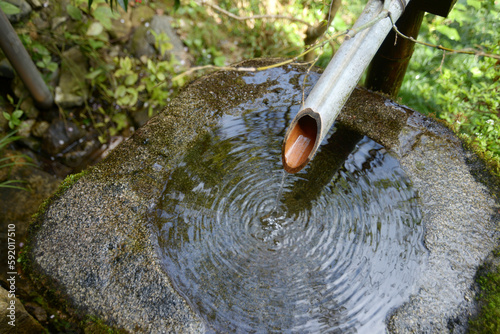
[22, 63]
[308, 129]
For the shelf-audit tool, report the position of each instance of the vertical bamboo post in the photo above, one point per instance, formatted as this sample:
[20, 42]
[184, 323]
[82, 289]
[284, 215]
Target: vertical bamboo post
[387, 69]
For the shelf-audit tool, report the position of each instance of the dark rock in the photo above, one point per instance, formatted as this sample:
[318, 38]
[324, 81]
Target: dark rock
[40, 23]
[60, 135]
[72, 89]
[78, 155]
[34, 144]
[36, 311]
[40, 128]
[139, 45]
[35, 4]
[23, 322]
[140, 15]
[57, 21]
[6, 69]
[24, 128]
[29, 108]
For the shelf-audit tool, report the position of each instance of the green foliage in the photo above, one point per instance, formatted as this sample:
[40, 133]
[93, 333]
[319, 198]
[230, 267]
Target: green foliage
[126, 93]
[463, 90]
[162, 42]
[41, 56]
[112, 3]
[14, 118]
[219, 40]
[9, 8]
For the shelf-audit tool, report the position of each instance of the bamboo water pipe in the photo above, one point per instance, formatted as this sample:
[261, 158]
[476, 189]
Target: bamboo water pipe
[22, 63]
[308, 129]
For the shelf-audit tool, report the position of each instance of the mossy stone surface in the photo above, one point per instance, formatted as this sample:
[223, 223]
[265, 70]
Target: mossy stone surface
[94, 243]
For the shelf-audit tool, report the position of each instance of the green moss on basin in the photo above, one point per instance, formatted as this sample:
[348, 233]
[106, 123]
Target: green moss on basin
[488, 318]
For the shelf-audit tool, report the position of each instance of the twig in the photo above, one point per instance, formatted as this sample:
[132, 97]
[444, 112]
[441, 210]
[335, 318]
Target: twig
[349, 33]
[206, 67]
[468, 51]
[442, 62]
[315, 33]
[354, 31]
[313, 62]
[253, 17]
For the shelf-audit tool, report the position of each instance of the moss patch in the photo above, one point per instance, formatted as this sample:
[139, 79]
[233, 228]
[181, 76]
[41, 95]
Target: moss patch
[488, 318]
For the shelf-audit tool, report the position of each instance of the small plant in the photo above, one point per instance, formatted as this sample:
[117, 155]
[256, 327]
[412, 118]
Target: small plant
[14, 119]
[162, 42]
[40, 55]
[156, 83]
[126, 94]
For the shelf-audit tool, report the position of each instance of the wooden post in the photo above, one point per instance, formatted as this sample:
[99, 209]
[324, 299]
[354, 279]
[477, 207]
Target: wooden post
[387, 69]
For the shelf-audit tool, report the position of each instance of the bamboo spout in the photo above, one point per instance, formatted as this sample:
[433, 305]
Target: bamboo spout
[301, 141]
[308, 129]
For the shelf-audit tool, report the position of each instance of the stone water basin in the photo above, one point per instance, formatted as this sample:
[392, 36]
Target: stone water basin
[183, 228]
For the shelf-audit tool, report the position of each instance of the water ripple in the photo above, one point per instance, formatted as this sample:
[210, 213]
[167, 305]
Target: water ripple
[338, 250]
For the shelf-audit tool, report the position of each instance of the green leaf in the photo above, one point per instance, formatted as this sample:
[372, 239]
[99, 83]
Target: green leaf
[95, 44]
[134, 95]
[52, 67]
[40, 49]
[131, 79]
[121, 121]
[74, 12]
[6, 115]
[451, 33]
[120, 91]
[8, 184]
[220, 61]
[104, 15]
[474, 3]
[47, 59]
[476, 72]
[17, 113]
[177, 4]
[94, 74]
[8, 8]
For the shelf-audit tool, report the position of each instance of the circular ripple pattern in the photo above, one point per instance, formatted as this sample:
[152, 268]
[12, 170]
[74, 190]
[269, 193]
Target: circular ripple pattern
[333, 253]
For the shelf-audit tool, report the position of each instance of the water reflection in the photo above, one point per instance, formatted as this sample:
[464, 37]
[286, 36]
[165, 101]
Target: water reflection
[342, 249]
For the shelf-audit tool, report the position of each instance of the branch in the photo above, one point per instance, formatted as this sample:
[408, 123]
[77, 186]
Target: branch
[254, 17]
[349, 33]
[314, 33]
[468, 51]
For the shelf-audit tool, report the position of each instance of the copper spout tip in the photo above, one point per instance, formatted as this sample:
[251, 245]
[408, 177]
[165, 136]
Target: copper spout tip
[300, 141]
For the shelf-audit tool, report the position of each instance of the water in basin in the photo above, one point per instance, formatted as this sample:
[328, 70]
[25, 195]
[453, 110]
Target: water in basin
[339, 249]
